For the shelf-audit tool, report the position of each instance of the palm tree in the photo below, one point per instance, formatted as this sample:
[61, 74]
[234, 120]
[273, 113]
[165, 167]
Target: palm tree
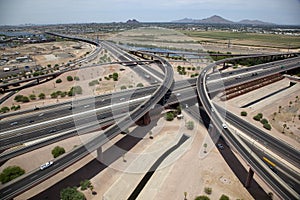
[290, 103]
[294, 118]
[279, 108]
[274, 114]
[284, 126]
[205, 146]
[185, 194]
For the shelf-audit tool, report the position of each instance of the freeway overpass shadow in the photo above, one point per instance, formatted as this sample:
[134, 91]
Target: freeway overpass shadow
[241, 173]
[94, 167]
[238, 169]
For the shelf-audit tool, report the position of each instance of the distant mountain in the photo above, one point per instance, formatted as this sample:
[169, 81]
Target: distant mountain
[253, 22]
[215, 19]
[132, 21]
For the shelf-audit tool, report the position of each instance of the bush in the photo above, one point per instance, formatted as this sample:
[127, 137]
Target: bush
[264, 121]
[25, 99]
[208, 190]
[71, 193]
[76, 78]
[54, 95]
[4, 109]
[69, 78]
[244, 113]
[10, 173]
[57, 151]
[63, 94]
[140, 85]
[42, 96]
[224, 197]
[32, 97]
[18, 98]
[190, 125]
[169, 116]
[58, 80]
[85, 184]
[258, 117]
[94, 82]
[202, 197]
[267, 126]
[123, 87]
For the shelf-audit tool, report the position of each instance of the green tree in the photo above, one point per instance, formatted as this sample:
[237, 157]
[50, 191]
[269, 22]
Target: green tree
[32, 97]
[190, 125]
[169, 116]
[49, 65]
[264, 121]
[57, 151]
[202, 197]
[58, 80]
[85, 184]
[10, 173]
[224, 197]
[244, 113]
[76, 78]
[71, 193]
[115, 76]
[69, 78]
[267, 126]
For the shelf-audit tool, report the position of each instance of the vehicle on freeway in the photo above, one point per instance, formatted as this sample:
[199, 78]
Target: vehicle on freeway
[224, 126]
[178, 94]
[14, 123]
[46, 165]
[52, 130]
[220, 146]
[86, 106]
[122, 99]
[41, 114]
[30, 121]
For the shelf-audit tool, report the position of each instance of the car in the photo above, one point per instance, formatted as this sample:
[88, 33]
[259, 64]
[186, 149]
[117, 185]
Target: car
[122, 99]
[14, 123]
[41, 114]
[86, 106]
[220, 146]
[52, 130]
[30, 121]
[224, 126]
[46, 165]
[178, 94]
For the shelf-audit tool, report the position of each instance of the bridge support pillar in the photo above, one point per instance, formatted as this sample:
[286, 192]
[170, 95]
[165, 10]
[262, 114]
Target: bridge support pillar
[249, 178]
[145, 120]
[100, 154]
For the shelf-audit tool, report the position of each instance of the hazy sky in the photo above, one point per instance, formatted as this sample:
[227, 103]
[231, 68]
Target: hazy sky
[14, 12]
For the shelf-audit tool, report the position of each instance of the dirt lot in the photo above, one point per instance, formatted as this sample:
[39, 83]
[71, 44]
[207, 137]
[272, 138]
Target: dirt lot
[126, 77]
[48, 53]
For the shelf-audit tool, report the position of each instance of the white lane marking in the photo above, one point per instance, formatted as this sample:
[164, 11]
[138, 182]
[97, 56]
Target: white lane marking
[74, 115]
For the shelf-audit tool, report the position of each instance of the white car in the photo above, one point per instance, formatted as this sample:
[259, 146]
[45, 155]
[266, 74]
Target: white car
[46, 165]
[224, 126]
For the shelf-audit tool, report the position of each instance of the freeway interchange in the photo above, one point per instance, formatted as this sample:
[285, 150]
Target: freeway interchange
[140, 102]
